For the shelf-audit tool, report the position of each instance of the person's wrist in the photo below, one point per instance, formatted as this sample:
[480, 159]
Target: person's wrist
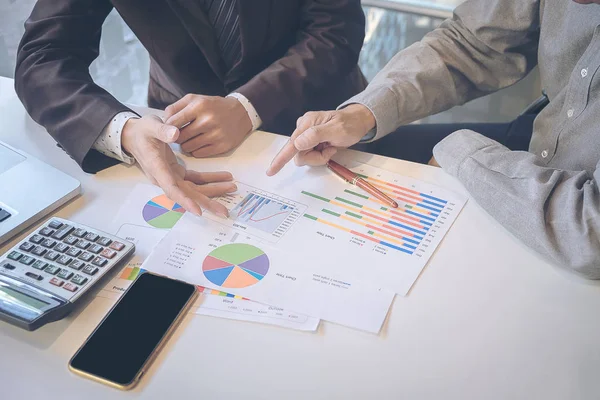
[128, 135]
[363, 117]
[238, 109]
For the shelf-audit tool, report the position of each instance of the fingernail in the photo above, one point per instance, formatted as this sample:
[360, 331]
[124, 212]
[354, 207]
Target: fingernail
[171, 132]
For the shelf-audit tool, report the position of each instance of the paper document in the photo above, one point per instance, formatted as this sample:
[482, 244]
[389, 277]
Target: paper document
[137, 223]
[205, 253]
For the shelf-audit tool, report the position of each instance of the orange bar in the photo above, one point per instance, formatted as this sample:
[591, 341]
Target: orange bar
[332, 224]
[389, 240]
[395, 186]
[364, 236]
[394, 194]
[126, 272]
[383, 231]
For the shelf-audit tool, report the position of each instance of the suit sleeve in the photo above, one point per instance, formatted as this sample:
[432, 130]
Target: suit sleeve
[327, 47]
[556, 212]
[52, 76]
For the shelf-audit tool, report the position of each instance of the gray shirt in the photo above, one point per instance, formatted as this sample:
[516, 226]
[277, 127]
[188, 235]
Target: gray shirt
[548, 197]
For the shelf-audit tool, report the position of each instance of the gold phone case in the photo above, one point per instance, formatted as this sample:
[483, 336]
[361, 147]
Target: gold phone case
[148, 363]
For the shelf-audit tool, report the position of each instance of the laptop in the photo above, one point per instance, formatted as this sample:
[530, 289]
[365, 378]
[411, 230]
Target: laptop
[29, 189]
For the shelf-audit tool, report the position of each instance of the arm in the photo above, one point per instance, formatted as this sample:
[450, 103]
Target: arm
[555, 212]
[52, 78]
[327, 47]
[486, 46]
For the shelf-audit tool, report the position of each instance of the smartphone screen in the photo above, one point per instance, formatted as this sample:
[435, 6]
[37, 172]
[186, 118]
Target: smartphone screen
[132, 331]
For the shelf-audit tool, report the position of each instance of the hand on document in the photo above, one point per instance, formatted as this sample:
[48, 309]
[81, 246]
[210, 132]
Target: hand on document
[318, 135]
[147, 139]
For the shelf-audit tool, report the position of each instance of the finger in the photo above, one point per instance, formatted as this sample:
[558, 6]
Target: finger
[178, 106]
[315, 158]
[313, 136]
[184, 116]
[199, 140]
[204, 201]
[201, 178]
[163, 132]
[206, 151]
[216, 189]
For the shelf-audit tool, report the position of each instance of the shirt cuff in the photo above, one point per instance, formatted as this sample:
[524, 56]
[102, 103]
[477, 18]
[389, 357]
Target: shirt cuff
[109, 141]
[454, 149]
[254, 117]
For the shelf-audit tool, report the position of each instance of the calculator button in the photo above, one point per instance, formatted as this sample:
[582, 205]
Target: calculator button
[8, 266]
[26, 246]
[39, 264]
[56, 282]
[46, 231]
[118, 246]
[77, 265]
[52, 269]
[99, 261]
[104, 241]
[74, 252]
[108, 253]
[34, 276]
[80, 232]
[27, 260]
[79, 279]
[15, 255]
[87, 257]
[54, 224]
[92, 237]
[71, 240]
[82, 244]
[63, 232]
[70, 287]
[90, 270]
[52, 255]
[4, 215]
[95, 249]
[37, 239]
[65, 274]
[39, 251]
[64, 260]
[49, 243]
[61, 248]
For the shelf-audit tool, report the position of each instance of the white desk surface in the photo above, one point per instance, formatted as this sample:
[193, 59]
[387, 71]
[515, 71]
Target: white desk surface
[487, 319]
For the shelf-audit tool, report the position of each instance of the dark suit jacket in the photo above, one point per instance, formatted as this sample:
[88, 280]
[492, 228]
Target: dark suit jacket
[297, 56]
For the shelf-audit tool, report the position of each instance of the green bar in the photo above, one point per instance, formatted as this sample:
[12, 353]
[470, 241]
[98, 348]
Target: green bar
[222, 294]
[330, 212]
[384, 208]
[356, 194]
[133, 274]
[315, 196]
[408, 206]
[310, 217]
[349, 202]
[371, 232]
[354, 215]
[362, 176]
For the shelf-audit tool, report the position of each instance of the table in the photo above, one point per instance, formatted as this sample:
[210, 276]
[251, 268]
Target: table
[487, 319]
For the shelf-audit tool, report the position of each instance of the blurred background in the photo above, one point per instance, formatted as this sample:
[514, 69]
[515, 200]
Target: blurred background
[122, 67]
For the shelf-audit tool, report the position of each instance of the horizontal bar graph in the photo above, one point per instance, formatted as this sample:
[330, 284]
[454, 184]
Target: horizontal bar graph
[359, 214]
[205, 290]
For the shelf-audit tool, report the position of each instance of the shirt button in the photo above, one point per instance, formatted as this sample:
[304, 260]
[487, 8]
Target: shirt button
[584, 73]
[570, 112]
[544, 153]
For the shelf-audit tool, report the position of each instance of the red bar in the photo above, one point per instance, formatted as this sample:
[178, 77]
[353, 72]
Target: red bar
[408, 223]
[384, 231]
[405, 216]
[365, 236]
[374, 216]
[393, 228]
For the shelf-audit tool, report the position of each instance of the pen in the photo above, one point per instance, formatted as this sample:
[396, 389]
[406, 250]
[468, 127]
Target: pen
[356, 180]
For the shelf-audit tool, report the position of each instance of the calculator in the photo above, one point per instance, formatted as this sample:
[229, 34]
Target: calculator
[43, 276]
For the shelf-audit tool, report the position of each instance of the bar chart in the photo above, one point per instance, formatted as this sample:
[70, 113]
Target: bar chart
[262, 212]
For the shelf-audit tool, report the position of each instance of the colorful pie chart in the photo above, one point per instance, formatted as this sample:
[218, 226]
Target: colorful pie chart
[235, 265]
[161, 212]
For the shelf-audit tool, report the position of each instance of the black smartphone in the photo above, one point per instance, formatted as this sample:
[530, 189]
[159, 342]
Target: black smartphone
[124, 344]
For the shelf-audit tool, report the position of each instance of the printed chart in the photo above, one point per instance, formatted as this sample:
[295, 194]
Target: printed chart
[161, 212]
[235, 265]
[260, 213]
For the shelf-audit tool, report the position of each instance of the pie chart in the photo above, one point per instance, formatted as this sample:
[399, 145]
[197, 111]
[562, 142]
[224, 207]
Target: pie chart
[235, 265]
[161, 212]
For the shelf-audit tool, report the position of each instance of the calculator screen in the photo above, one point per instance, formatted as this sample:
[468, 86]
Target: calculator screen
[10, 296]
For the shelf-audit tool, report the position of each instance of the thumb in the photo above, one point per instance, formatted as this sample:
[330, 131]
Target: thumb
[311, 137]
[165, 133]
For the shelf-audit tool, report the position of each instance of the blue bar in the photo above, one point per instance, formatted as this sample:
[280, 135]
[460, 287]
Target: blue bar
[230, 295]
[284, 207]
[433, 198]
[258, 203]
[418, 237]
[409, 246]
[245, 201]
[410, 240]
[419, 215]
[440, 206]
[425, 222]
[395, 247]
[407, 227]
[428, 207]
[268, 201]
